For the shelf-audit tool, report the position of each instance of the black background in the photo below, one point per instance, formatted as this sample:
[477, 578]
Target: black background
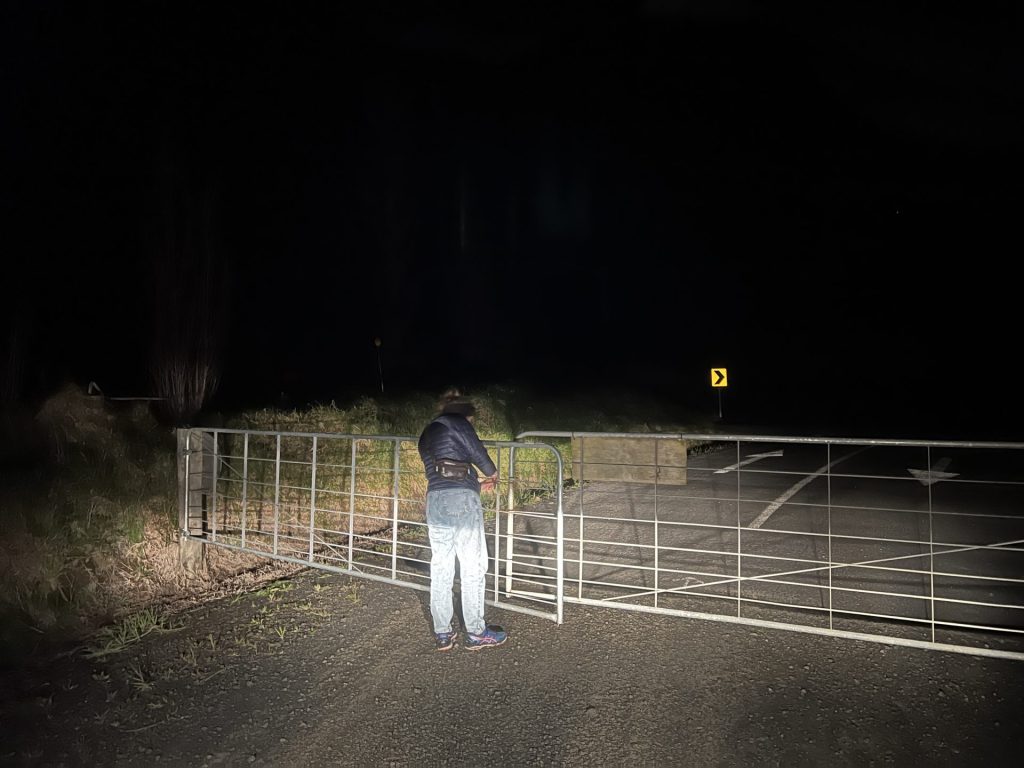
[824, 200]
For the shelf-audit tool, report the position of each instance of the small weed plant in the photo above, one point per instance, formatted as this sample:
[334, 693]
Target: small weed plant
[129, 631]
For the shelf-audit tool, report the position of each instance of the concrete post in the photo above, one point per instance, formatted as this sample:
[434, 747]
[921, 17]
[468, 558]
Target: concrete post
[193, 492]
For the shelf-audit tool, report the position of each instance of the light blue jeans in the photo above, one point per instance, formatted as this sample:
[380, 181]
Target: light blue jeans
[455, 523]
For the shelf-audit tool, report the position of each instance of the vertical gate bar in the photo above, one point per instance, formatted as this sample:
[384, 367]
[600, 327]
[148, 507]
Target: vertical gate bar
[828, 524]
[312, 500]
[559, 542]
[657, 472]
[395, 462]
[497, 532]
[579, 572]
[245, 484]
[277, 492]
[216, 475]
[931, 544]
[739, 536]
[185, 446]
[351, 502]
[511, 519]
[828, 501]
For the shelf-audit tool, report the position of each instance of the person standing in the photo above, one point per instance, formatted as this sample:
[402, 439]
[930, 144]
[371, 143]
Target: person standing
[452, 452]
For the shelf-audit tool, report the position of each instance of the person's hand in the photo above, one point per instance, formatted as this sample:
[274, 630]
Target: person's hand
[489, 483]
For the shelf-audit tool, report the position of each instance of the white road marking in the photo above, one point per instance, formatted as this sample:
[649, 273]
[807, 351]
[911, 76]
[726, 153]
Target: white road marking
[749, 460]
[935, 474]
[1002, 545]
[773, 507]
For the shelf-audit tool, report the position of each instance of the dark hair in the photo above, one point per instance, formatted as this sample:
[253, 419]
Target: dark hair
[453, 401]
[461, 409]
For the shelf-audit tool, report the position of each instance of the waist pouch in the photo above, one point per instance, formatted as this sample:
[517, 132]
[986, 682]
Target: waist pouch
[451, 469]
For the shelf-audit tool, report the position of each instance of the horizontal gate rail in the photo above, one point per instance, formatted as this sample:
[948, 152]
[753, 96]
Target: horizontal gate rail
[354, 504]
[907, 542]
[915, 543]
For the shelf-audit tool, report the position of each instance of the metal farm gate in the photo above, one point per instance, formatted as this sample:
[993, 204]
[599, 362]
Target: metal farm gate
[905, 542]
[355, 504]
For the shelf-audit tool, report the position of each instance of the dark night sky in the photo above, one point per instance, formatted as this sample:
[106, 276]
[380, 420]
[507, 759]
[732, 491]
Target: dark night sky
[824, 201]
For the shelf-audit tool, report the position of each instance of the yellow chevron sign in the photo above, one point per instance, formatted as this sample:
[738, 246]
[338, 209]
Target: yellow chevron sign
[719, 377]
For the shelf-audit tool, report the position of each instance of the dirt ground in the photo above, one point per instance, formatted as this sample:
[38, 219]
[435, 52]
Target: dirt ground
[324, 669]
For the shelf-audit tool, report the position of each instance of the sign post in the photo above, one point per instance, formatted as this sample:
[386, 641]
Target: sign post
[719, 380]
[380, 368]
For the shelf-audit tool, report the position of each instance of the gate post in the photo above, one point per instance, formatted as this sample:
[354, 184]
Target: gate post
[193, 492]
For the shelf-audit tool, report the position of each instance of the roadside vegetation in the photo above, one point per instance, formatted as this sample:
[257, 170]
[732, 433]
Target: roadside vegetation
[88, 510]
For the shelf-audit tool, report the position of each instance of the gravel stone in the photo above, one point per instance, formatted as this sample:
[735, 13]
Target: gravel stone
[606, 688]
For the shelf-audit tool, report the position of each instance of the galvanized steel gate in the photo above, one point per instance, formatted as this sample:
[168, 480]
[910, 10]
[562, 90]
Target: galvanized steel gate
[905, 542]
[355, 504]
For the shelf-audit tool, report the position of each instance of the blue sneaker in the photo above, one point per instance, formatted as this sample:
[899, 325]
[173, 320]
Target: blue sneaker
[444, 641]
[492, 637]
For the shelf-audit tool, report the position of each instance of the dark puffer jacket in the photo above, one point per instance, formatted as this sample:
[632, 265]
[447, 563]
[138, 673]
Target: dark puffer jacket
[451, 436]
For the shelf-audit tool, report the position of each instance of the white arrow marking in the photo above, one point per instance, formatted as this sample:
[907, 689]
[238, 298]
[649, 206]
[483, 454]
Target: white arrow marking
[749, 460]
[935, 474]
[771, 508]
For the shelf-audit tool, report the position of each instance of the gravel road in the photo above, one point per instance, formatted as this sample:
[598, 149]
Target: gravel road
[324, 669]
